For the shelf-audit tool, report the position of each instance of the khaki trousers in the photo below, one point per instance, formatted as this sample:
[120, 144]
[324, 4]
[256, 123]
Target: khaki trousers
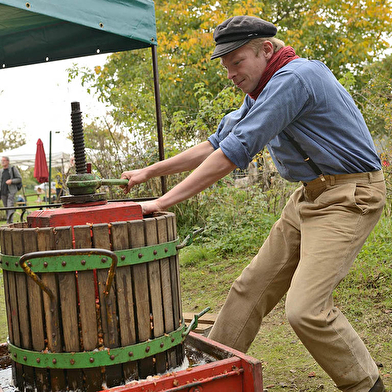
[310, 249]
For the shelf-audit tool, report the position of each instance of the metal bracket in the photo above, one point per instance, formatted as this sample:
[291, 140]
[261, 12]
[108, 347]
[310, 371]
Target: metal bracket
[195, 320]
[189, 238]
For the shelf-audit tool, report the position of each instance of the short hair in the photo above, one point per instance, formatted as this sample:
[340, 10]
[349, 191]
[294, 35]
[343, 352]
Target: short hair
[5, 158]
[257, 43]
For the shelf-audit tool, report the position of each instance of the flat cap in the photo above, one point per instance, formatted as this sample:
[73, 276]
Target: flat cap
[239, 30]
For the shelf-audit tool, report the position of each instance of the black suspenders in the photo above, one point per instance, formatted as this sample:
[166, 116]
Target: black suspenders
[305, 156]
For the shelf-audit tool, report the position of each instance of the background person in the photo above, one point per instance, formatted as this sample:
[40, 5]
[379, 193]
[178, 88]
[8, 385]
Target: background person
[295, 107]
[10, 177]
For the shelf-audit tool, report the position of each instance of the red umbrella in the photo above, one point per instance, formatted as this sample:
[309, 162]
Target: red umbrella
[41, 172]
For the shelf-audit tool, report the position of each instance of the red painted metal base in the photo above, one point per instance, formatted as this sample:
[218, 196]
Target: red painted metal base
[85, 214]
[233, 371]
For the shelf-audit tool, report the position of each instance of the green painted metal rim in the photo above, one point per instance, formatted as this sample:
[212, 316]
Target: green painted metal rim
[97, 358]
[71, 263]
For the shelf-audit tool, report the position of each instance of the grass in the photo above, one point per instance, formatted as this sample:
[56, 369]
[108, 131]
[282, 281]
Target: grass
[210, 265]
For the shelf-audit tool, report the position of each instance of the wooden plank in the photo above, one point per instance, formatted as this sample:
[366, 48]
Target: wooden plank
[6, 291]
[175, 278]
[167, 298]
[69, 308]
[13, 297]
[36, 311]
[154, 280]
[88, 315]
[45, 240]
[108, 306]
[141, 293]
[23, 308]
[125, 300]
[206, 319]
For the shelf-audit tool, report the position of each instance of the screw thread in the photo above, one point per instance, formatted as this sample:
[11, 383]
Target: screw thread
[78, 138]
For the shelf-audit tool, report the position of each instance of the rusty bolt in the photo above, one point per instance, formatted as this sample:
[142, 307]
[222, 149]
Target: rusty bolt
[140, 255]
[172, 340]
[83, 262]
[155, 252]
[15, 355]
[147, 349]
[166, 250]
[45, 264]
[63, 263]
[54, 361]
[112, 357]
[104, 259]
[130, 354]
[29, 264]
[72, 361]
[91, 360]
[6, 263]
[25, 358]
[122, 257]
[16, 264]
[161, 344]
[38, 360]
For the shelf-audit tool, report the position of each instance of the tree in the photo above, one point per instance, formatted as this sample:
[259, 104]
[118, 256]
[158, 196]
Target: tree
[345, 35]
[11, 139]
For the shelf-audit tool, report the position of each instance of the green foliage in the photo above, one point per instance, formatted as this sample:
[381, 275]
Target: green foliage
[210, 109]
[345, 35]
[11, 139]
[372, 91]
[227, 231]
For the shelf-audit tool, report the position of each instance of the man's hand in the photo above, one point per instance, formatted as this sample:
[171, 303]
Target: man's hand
[135, 177]
[148, 207]
[8, 182]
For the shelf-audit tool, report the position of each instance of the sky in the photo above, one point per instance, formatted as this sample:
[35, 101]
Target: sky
[36, 99]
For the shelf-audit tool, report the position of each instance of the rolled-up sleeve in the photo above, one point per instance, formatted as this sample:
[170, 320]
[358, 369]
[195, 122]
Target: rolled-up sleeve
[243, 133]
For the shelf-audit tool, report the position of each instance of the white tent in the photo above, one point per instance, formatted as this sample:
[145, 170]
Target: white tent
[24, 157]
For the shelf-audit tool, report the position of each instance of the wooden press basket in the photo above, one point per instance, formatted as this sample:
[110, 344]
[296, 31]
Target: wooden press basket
[67, 329]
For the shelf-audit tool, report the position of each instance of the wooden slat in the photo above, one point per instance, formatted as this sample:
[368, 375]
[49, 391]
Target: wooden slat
[175, 279]
[6, 291]
[154, 279]
[88, 315]
[140, 284]
[69, 308]
[108, 306]
[13, 300]
[125, 300]
[45, 239]
[167, 298]
[23, 307]
[36, 311]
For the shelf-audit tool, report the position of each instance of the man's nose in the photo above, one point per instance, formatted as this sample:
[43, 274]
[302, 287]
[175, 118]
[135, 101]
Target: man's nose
[230, 74]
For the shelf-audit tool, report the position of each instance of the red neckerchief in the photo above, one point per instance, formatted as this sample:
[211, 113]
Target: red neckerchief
[278, 60]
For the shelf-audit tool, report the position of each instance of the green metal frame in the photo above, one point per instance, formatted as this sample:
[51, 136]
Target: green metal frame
[68, 262]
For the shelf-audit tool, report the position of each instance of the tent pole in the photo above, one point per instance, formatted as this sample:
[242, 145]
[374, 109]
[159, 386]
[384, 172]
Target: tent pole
[50, 167]
[158, 112]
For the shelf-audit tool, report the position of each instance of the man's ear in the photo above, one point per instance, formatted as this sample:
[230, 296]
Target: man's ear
[268, 49]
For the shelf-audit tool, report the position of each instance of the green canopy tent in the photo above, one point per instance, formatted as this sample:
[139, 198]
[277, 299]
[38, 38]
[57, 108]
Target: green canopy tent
[37, 31]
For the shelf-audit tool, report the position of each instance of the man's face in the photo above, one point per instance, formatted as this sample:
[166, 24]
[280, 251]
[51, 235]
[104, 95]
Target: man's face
[4, 162]
[244, 68]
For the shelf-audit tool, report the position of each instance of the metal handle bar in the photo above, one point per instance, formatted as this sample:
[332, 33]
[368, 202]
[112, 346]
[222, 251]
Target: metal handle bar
[68, 252]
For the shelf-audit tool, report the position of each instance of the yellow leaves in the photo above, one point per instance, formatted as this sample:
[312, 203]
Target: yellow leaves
[97, 69]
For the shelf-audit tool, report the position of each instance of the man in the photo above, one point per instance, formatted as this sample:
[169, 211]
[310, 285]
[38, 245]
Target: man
[295, 107]
[10, 177]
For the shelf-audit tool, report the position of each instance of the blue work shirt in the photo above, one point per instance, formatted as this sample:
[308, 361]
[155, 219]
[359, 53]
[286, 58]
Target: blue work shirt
[304, 99]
